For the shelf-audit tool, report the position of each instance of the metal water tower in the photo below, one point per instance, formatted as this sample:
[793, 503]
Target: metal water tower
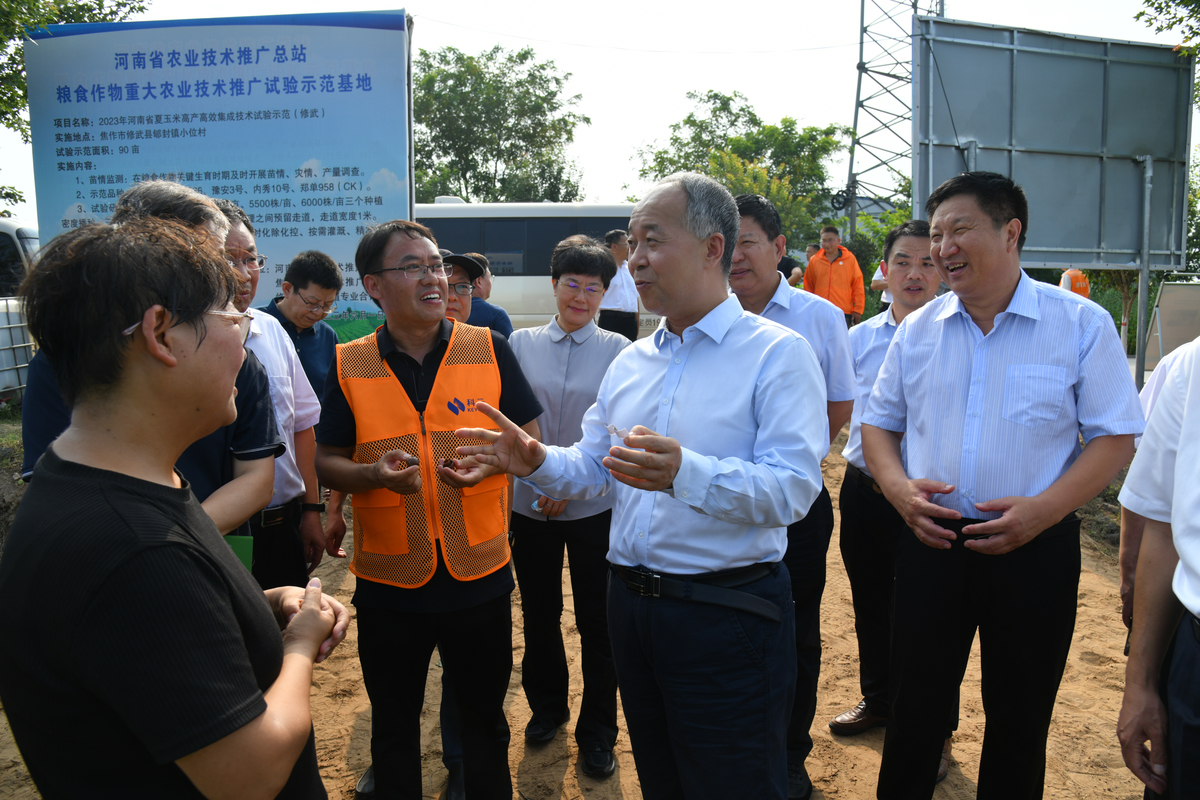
[881, 150]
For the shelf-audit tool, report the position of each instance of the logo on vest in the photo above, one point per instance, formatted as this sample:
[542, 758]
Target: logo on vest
[456, 406]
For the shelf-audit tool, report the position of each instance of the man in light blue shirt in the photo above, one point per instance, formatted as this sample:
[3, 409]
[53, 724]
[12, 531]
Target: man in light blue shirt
[991, 386]
[707, 472]
[761, 289]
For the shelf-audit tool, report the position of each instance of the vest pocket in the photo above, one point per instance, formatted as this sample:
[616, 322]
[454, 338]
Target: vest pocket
[485, 509]
[382, 522]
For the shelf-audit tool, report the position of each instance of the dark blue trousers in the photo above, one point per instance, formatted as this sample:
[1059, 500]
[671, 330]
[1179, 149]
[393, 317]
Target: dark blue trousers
[707, 691]
[1183, 713]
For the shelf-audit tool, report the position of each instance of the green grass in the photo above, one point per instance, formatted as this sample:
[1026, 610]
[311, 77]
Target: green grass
[11, 450]
[350, 329]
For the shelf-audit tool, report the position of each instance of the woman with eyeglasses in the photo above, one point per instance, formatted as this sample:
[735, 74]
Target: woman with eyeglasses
[565, 362]
[147, 662]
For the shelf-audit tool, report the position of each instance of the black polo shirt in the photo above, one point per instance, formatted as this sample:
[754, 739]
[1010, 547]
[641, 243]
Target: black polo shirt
[337, 429]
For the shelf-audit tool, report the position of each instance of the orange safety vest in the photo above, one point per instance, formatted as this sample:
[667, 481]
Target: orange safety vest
[395, 534]
[1079, 283]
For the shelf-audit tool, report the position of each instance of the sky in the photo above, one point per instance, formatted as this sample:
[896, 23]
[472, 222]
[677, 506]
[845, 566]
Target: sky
[632, 62]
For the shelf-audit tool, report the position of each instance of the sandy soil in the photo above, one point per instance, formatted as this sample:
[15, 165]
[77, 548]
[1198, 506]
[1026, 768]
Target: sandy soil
[1083, 761]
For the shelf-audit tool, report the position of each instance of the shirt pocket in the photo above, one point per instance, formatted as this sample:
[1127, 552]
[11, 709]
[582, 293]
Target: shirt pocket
[1033, 393]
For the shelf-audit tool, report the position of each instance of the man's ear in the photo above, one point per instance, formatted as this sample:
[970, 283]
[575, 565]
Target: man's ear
[780, 247]
[155, 324]
[714, 248]
[883, 266]
[370, 282]
[1012, 234]
[287, 289]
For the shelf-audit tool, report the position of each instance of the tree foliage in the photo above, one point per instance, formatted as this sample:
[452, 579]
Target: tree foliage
[724, 137]
[493, 127]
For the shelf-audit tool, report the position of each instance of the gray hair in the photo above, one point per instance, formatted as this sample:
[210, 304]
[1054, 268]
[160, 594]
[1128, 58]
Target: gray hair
[168, 200]
[710, 209]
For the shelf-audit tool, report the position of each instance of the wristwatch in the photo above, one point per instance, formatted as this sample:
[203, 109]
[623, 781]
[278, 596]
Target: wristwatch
[317, 507]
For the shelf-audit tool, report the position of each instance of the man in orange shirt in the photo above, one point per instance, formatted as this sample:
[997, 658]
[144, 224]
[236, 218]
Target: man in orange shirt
[833, 273]
[1075, 281]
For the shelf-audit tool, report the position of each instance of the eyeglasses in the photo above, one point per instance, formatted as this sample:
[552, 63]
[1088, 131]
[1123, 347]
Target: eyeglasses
[592, 291]
[417, 271]
[313, 305]
[250, 263]
[461, 288]
[243, 319]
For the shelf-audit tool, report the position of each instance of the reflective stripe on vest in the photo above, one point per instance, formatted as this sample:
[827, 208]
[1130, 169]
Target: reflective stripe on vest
[394, 534]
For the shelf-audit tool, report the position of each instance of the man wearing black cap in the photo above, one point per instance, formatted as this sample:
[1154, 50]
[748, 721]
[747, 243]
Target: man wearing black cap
[483, 313]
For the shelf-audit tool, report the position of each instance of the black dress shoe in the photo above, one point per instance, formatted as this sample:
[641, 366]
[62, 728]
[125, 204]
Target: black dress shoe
[855, 721]
[542, 731]
[799, 786]
[599, 764]
[365, 788]
[456, 786]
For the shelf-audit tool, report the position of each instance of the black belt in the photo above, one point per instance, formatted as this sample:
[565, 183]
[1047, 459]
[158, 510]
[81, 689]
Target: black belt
[622, 313]
[1067, 525]
[277, 515]
[713, 588]
[864, 478]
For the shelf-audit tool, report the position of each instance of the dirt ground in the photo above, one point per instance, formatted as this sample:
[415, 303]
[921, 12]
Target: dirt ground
[1083, 758]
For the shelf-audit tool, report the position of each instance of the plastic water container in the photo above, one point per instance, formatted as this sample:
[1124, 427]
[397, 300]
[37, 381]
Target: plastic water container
[16, 346]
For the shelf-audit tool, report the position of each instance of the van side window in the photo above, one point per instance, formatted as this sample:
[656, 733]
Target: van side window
[12, 268]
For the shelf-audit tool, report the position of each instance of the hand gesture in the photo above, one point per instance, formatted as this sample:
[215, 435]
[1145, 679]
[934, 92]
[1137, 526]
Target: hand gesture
[652, 466]
[919, 511]
[393, 472]
[464, 472]
[551, 508]
[1022, 520]
[1143, 719]
[316, 622]
[510, 450]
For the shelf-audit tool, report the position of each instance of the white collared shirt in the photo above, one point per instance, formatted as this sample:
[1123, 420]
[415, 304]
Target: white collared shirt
[1164, 480]
[886, 295]
[296, 405]
[622, 292]
[869, 343]
[744, 397]
[1001, 415]
[565, 371]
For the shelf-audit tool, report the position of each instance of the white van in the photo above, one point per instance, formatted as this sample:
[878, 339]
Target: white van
[517, 239]
[18, 243]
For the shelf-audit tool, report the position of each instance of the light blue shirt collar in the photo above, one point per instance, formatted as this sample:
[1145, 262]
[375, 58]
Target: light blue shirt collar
[783, 293]
[557, 334]
[715, 324]
[1024, 302]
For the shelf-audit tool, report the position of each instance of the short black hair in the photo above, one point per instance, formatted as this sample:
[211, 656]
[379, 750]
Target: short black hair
[583, 255]
[831, 229]
[168, 200]
[997, 196]
[914, 227]
[234, 213]
[313, 266]
[614, 236]
[816, 245]
[375, 240]
[108, 276]
[762, 211]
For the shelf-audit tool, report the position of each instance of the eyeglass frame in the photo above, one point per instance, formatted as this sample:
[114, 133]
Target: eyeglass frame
[260, 260]
[458, 288]
[425, 269]
[311, 306]
[592, 291]
[246, 315]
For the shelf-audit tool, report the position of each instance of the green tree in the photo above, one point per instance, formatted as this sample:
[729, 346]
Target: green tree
[740, 176]
[1181, 16]
[493, 127]
[19, 16]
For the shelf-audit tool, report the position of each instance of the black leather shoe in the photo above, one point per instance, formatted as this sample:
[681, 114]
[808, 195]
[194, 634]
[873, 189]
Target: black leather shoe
[855, 721]
[541, 731]
[799, 784]
[599, 764]
[365, 788]
[456, 786]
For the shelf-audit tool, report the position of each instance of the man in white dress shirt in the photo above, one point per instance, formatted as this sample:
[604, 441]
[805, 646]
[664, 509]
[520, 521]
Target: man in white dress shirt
[1163, 486]
[991, 388]
[708, 474]
[289, 540]
[761, 289]
[619, 311]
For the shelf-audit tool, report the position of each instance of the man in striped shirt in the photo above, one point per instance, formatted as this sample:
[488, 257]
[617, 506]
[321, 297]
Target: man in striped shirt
[991, 387]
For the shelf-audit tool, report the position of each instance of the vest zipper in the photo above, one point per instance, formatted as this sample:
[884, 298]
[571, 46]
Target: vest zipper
[430, 468]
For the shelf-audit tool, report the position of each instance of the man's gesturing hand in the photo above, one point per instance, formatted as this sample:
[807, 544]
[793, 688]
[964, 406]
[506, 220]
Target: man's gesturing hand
[393, 474]
[510, 450]
[919, 511]
[652, 466]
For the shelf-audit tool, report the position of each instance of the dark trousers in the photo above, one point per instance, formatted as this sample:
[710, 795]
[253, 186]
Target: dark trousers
[451, 727]
[808, 545]
[706, 691]
[537, 548]
[1023, 604]
[1182, 690]
[622, 322]
[278, 551]
[394, 648]
[871, 530]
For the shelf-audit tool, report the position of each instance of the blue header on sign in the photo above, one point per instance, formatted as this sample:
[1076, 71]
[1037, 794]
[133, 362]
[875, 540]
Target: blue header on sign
[385, 20]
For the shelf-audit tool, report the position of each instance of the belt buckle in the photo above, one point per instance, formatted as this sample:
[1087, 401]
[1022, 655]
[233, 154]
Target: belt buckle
[650, 584]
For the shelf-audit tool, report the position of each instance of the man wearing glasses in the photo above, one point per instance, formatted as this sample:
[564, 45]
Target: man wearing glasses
[289, 541]
[307, 296]
[430, 535]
